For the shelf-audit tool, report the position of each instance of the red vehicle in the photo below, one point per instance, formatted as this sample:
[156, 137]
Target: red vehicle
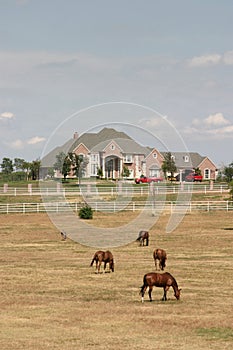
[193, 177]
[143, 179]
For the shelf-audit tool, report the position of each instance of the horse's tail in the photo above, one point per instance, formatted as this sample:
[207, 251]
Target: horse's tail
[143, 287]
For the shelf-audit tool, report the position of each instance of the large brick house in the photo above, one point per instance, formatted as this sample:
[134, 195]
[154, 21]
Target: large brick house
[112, 150]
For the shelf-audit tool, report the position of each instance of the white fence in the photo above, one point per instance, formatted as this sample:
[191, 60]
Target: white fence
[115, 206]
[121, 189]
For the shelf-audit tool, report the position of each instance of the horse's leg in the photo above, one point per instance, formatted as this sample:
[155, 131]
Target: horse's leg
[99, 265]
[105, 264]
[150, 292]
[165, 293]
[142, 291]
[156, 266]
[96, 265]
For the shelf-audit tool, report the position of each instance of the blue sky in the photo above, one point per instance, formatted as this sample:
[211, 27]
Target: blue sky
[162, 66]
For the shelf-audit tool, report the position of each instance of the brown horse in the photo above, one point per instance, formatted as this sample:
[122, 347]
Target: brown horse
[105, 257]
[164, 280]
[161, 256]
[143, 236]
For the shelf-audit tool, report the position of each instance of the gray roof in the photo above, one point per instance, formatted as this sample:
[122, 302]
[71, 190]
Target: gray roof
[126, 146]
[96, 142]
[195, 159]
[88, 139]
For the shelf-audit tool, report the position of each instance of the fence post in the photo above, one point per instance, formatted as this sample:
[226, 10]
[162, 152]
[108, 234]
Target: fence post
[30, 189]
[5, 188]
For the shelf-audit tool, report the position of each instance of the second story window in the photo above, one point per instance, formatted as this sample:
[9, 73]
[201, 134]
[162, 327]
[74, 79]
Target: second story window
[128, 158]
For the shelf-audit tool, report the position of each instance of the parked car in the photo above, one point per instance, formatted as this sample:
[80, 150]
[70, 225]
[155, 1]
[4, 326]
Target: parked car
[193, 177]
[143, 179]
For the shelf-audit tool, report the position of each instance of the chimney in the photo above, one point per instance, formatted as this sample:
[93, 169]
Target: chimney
[75, 135]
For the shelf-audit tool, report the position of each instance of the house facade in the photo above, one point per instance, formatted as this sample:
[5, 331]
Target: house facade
[111, 151]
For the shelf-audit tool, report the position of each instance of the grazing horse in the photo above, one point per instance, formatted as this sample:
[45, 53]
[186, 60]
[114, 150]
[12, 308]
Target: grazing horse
[143, 236]
[105, 257]
[161, 256]
[164, 280]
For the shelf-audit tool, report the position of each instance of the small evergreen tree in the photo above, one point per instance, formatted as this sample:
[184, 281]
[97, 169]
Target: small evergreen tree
[125, 171]
[86, 212]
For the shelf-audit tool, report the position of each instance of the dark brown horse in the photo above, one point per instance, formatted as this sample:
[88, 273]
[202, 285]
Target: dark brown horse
[143, 236]
[105, 257]
[164, 280]
[161, 256]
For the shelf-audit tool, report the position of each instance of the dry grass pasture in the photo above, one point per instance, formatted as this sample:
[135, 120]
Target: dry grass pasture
[51, 299]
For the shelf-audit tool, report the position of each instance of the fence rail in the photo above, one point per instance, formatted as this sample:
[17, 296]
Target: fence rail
[115, 206]
[126, 190]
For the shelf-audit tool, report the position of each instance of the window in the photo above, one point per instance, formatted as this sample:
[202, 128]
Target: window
[128, 158]
[207, 174]
[112, 147]
[94, 158]
[154, 173]
[186, 159]
[94, 169]
[155, 155]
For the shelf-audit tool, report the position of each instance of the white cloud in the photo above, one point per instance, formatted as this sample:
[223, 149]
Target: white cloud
[228, 58]
[17, 144]
[6, 115]
[35, 140]
[205, 60]
[216, 120]
[215, 125]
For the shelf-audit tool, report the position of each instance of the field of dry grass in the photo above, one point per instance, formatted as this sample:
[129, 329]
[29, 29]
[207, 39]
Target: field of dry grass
[51, 299]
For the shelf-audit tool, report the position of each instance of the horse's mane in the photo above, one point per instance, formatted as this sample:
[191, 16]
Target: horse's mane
[173, 279]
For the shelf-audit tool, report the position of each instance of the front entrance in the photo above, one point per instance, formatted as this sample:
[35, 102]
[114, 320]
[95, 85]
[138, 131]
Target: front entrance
[112, 167]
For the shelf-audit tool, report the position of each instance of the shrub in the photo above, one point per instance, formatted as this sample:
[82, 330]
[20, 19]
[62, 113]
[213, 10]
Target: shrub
[86, 212]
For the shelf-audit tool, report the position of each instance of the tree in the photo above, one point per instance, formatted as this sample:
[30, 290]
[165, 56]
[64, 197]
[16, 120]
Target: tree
[197, 171]
[7, 166]
[100, 173]
[35, 169]
[231, 188]
[228, 172]
[168, 165]
[125, 171]
[66, 167]
[78, 163]
[19, 164]
[63, 164]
